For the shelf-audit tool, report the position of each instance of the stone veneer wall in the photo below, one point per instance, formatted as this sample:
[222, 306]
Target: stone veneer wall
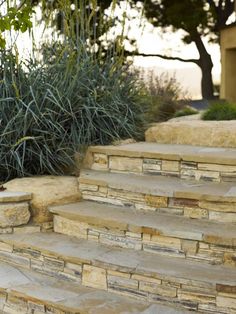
[182, 169]
[122, 280]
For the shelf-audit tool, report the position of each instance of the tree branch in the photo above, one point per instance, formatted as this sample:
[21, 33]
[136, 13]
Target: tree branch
[211, 3]
[196, 61]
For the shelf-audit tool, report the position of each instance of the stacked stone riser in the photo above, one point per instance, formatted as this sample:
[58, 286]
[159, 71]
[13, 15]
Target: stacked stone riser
[184, 169]
[190, 245]
[224, 211]
[15, 303]
[192, 294]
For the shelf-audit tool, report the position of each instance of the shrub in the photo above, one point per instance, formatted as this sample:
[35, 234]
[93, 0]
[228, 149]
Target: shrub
[186, 111]
[162, 101]
[52, 109]
[220, 111]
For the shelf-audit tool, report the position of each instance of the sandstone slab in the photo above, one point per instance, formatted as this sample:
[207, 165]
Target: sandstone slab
[46, 190]
[216, 133]
[14, 214]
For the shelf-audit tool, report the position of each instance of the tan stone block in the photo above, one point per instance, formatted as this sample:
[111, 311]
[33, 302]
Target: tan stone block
[213, 239]
[170, 165]
[88, 187]
[189, 247]
[27, 229]
[198, 296]
[216, 167]
[158, 289]
[156, 201]
[222, 216]
[198, 213]
[230, 259]
[216, 133]
[226, 289]
[75, 267]
[94, 277]
[46, 191]
[146, 279]
[183, 203]
[118, 274]
[167, 241]
[100, 162]
[133, 235]
[122, 282]
[225, 301]
[126, 196]
[125, 164]
[203, 246]
[148, 287]
[103, 190]
[70, 227]
[146, 237]
[151, 165]
[200, 175]
[14, 214]
[218, 206]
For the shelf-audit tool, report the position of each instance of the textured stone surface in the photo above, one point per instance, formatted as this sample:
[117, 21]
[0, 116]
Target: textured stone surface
[162, 186]
[46, 190]
[125, 164]
[216, 155]
[14, 214]
[216, 133]
[25, 291]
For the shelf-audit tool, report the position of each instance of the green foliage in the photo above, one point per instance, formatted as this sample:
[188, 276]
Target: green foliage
[162, 101]
[220, 111]
[186, 111]
[51, 110]
[17, 18]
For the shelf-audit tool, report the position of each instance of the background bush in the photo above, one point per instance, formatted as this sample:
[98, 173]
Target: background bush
[163, 98]
[51, 109]
[220, 111]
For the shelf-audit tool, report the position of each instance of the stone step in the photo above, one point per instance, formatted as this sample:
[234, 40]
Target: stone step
[184, 161]
[127, 227]
[201, 200]
[197, 132]
[24, 291]
[143, 275]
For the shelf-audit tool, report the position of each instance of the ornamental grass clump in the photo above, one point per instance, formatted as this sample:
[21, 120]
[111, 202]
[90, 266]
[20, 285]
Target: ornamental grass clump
[53, 108]
[220, 111]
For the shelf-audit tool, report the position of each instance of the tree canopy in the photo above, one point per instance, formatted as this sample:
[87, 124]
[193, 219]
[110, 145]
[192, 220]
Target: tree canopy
[12, 16]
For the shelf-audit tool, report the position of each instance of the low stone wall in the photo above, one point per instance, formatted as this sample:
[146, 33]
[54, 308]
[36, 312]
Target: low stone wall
[190, 245]
[196, 132]
[183, 169]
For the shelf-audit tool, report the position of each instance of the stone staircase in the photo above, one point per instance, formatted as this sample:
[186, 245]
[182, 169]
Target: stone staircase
[154, 233]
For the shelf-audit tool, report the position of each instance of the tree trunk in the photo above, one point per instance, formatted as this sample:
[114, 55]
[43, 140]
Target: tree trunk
[205, 63]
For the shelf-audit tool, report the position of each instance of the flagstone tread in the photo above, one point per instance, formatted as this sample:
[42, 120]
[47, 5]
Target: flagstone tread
[161, 186]
[75, 250]
[7, 196]
[47, 292]
[218, 155]
[126, 218]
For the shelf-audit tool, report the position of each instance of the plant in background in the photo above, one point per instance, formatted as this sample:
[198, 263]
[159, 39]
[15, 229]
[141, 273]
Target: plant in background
[186, 111]
[74, 95]
[220, 111]
[163, 98]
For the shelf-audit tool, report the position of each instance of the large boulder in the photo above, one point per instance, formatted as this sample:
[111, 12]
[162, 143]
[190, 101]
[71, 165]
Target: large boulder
[194, 132]
[46, 191]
